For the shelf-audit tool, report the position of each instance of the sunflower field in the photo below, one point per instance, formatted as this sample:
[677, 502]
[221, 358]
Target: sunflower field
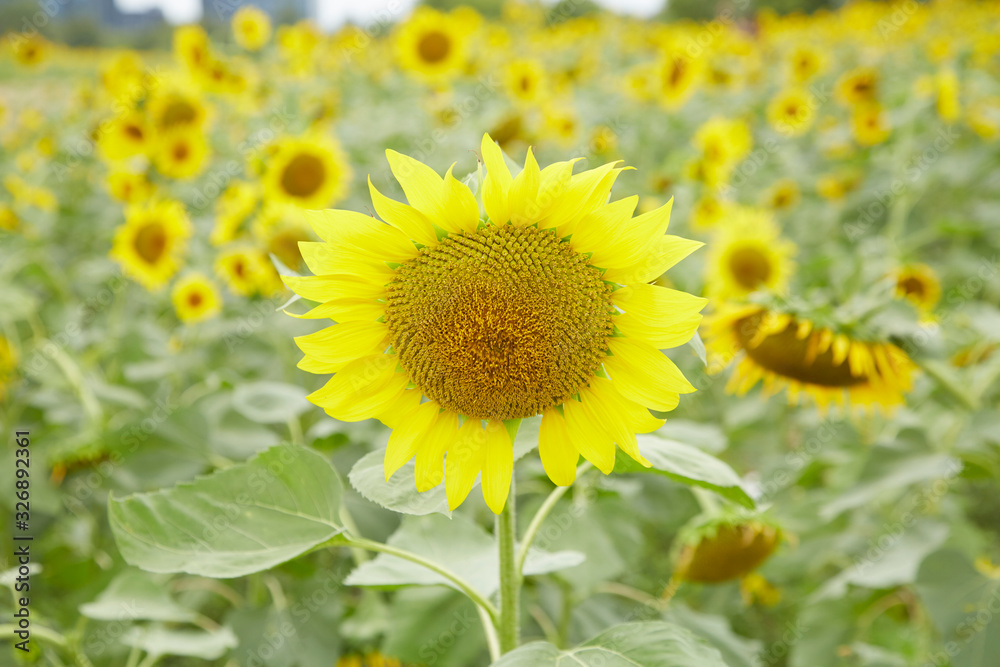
[530, 339]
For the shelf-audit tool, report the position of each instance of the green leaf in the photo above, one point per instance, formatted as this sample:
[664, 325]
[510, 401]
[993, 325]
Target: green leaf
[158, 641]
[243, 519]
[270, 402]
[459, 545]
[736, 650]
[400, 493]
[687, 465]
[133, 596]
[651, 644]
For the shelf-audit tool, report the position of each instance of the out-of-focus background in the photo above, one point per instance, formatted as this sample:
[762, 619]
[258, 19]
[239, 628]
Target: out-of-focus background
[840, 162]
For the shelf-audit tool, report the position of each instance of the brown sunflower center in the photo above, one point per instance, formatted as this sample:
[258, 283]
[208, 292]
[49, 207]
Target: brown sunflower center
[750, 267]
[499, 323]
[434, 47]
[151, 242]
[195, 299]
[303, 175]
[134, 132]
[911, 286]
[788, 355]
[178, 112]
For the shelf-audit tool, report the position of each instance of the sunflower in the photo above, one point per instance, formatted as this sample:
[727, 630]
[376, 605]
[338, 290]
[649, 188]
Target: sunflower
[791, 112]
[279, 229]
[677, 75]
[311, 173]
[9, 221]
[562, 124]
[373, 659]
[176, 110]
[454, 327]
[946, 88]
[232, 207]
[858, 86]
[192, 47]
[869, 124]
[790, 351]
[195, 298]
[251, 28]
[724, 548]
[709, 212]
[432, 45]
[526, 82]
[723, 143]
[919, 284]
[180, 154]
[129, 186]
[124, 136]
[984, 117]
[8, 364]
[804, 63]
[247, 271]
[29, 51]
[150, 243]
[784, 194]
[748, 254]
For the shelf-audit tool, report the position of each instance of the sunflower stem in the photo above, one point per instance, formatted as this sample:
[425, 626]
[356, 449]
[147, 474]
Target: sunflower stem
[510, 577]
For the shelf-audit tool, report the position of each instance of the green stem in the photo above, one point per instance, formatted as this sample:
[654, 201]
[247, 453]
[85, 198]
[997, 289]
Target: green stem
[540, 516]
[492, 641]
[510, 576]
[51, 636]
[460, 583]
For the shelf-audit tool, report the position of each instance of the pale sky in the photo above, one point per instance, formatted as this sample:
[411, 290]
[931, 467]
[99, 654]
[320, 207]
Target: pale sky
[332, 13]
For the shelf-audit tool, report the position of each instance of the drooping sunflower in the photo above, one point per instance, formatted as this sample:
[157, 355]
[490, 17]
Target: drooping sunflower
[748, 254]
[251, 28]
[724, 548]
[432, 45]
[310, 173]
[195, 298]
[790, 351]
[151, 241]
[454, 326]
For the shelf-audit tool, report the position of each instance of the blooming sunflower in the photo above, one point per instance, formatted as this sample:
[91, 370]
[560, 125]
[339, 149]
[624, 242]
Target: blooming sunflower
[195, 298]
[149, 245]
[869, 124]
[175, 109]
[432, 45]
[790, 351]
[784, 194]
[180, 154]
[124, 136]
[791, 112]
[129, 186]
[311, 173]
[453, 326]
[858, 86]
[246, 271]
[919, 284]
[748, 254]
[526, 82]
[251, 28]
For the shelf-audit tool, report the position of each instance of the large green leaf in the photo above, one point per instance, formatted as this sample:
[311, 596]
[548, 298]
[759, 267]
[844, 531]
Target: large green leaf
[270, 402]
[687, 465]
[459, 545]
[400, 493]
[651, 644]
[243, 519]
[157, 641]
[133, 596]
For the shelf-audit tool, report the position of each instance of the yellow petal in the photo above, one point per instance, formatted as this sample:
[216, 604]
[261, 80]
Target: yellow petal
[497, 183]
[345, 310]
[464, 462]
[644, 374]
[363, 232]
[631, 241]
[345, 342]
[423, 187]
[440, 436]
[401, 408]
[498, 466]
[363, 386]
[587, 191]
[327, 288]
[407, 435]
[327, 259]
[616, 414]
[662, 254]
[658, 315]
[591, 441]
[599, 228]
[559, 457]
[523, 192]
[403, 217]
[463, 210]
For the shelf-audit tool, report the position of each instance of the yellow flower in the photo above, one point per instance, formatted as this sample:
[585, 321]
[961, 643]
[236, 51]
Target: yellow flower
[858, 86]
[8, 218]
[725, 549]
[677, 76]
[947, 102]
[8, 365]
[232, 207]
[180, 154]
[562, 124]
[497, 319]
[709, 211]
[984, 117]
[124, 136]
[804, 63]
[919, 284]
[788, 351]
[723, 143]
[247, 271]
[129, 186]
[526, 82]
[174, 110]
[29, 51]
[783, 195]
[754, 588]
[307, 172]
[869, 124]
[195, 298]
[192, 47]
[432, 45]
[791, 112]
[124, 77]
[279, 229]
[251, 28]
[747, 254]
[150, 244]
[836, 186]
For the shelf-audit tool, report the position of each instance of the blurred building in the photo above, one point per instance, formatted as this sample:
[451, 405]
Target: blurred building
[281, 11]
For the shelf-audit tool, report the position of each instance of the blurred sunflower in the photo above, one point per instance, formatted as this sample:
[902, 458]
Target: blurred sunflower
[709, 212]
[784, 194]
[373, 659]
[247, 271]
[124, 136]
[310, 173]
[129, 186]
[918, 284]
[748, 254]
[8, 218]
[432, 45]
[192, 47]
[789, 351]
[180, 154]
[279, 230]
[29, 51]
[791, 112]
[858, 86]
[251, 28]
[148, 246]
[805, 61]
[525, 82]
[678, 75]
[724, 548]
[723, 143]
[232, 208]
[8, 365]
[452, 328]
[984, 117]
[176, 110]
[195, 298]
[869, 124]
